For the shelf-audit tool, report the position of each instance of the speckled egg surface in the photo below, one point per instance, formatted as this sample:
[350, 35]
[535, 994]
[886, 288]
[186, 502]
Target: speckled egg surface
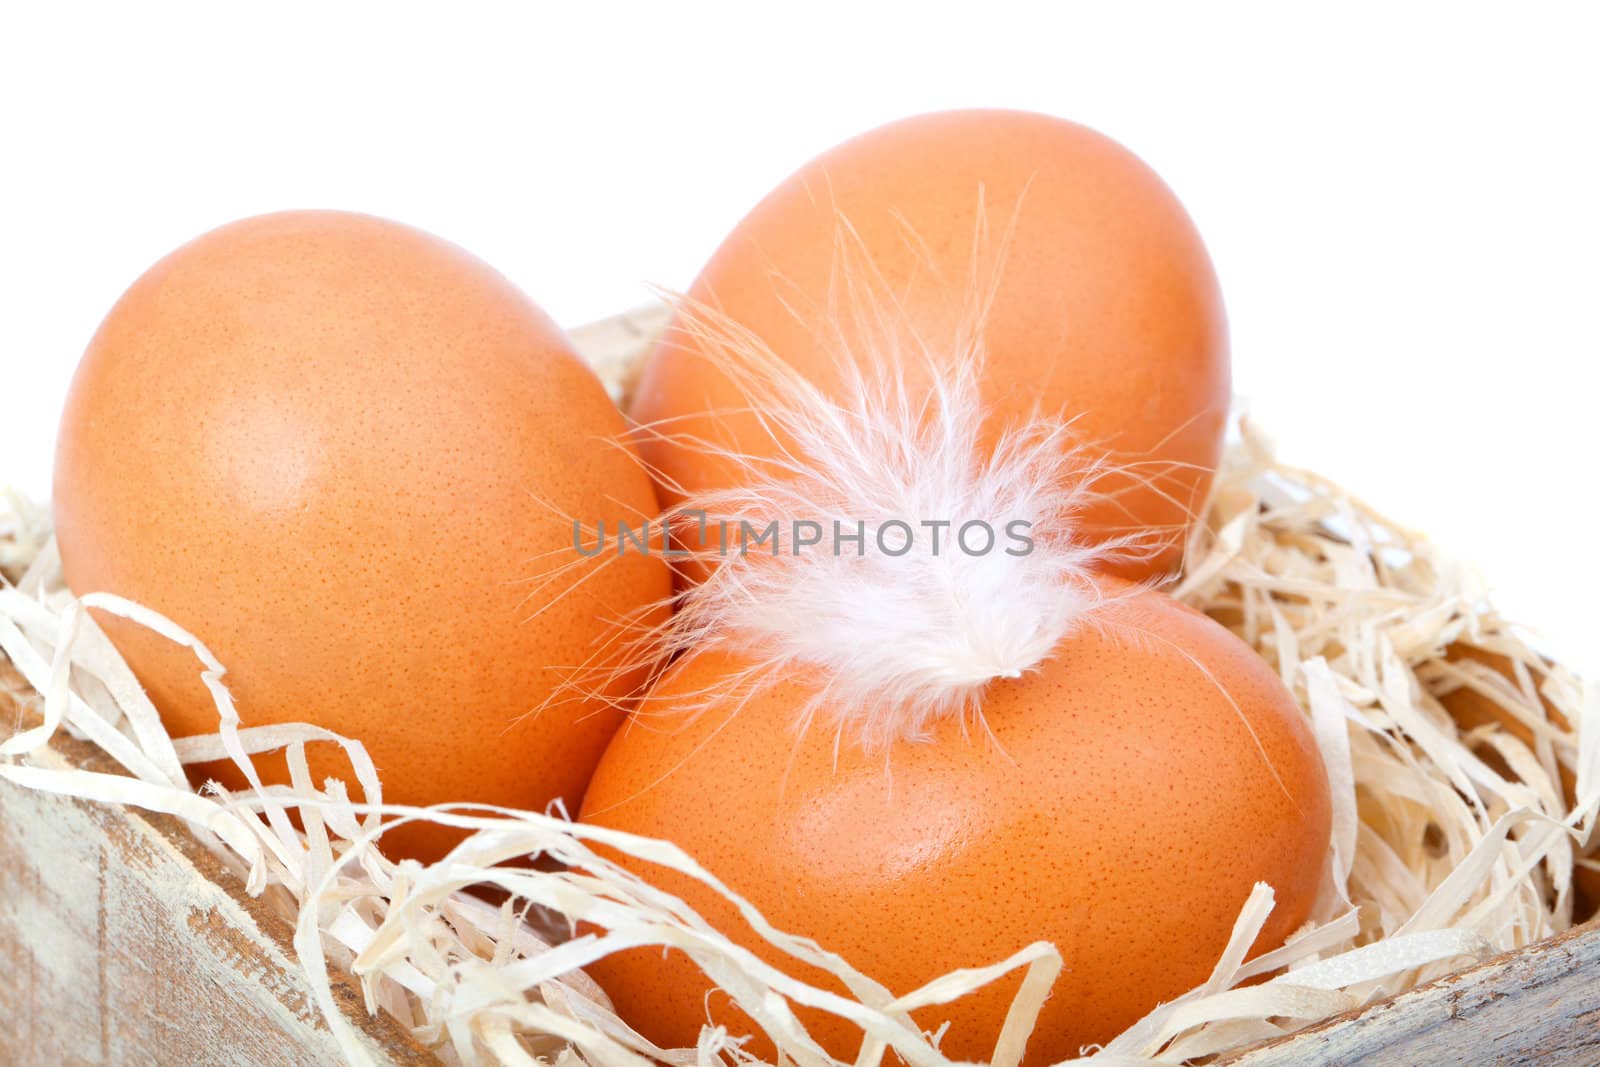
[345, 454]
[1098, 304]
[1122, 809]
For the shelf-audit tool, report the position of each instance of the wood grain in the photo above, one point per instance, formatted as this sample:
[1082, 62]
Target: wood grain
[123, 940]
[1537, 1006]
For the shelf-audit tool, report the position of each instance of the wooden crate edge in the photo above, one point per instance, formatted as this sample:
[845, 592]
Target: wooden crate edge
[126, 940]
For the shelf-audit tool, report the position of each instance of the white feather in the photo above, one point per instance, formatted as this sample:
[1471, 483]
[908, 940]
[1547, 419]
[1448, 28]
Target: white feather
[889, 643]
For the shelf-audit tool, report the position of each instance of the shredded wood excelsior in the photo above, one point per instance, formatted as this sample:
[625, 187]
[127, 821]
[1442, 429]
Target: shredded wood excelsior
[1465, 771]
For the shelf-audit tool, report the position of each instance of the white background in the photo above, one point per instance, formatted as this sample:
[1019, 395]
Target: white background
[1403, 203]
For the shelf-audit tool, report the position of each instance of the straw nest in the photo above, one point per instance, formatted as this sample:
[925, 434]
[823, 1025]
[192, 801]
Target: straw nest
[1465, 771]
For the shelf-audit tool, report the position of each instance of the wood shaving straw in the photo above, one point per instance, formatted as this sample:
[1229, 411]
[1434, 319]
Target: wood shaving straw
[1452, 839]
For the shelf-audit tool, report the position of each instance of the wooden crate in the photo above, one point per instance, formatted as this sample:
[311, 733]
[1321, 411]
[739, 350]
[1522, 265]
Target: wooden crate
[126, 941]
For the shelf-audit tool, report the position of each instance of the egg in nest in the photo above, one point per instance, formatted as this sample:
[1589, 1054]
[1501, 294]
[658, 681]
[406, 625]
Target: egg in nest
[347, 455]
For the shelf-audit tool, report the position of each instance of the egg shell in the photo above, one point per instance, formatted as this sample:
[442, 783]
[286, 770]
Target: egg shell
[1105, 308]
[1119, 802]
[343, 453]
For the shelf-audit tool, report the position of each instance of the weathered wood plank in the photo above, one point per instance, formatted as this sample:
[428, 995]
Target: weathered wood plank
[123, 940]
[1538, 1006]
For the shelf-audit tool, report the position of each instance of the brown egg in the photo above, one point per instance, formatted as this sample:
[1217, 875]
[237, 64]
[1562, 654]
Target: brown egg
[1104, 307]
[1135, 787]
[346, 455]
